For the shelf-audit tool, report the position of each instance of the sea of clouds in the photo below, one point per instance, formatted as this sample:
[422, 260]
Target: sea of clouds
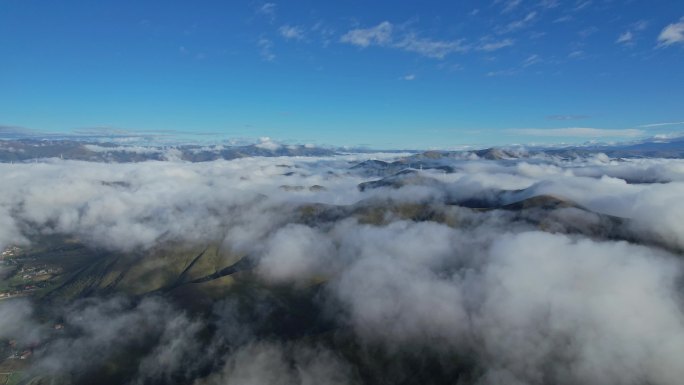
[593, 297]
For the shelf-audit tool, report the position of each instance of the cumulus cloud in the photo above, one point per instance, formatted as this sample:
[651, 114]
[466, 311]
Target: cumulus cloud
[267, 143]
[297, 252]
[574, 320]
[389, 278]
[672, 34]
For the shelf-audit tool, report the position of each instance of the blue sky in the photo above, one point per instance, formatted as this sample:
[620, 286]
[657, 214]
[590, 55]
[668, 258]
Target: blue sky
[420, 74]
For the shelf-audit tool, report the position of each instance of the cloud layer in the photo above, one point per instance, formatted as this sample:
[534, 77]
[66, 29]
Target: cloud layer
[508, 270]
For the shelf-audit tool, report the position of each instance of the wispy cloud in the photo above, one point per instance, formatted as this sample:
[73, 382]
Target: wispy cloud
[186, 52]
[409, 77]
[436, 49]
[549, 4]
[510, 5]
[7, 131]
[291, 32]
[586, 32]
[625, 38]
[563, 19]
[528, 62]
[578, 132]
[582, 4]
[519, 24]
[495, 45]
[576, 54]
[267, 9]
[640, 25]
[381, 34]
[324, 32]
[567, 117]
[506, 72]
[672, 34]
[661, 124]
[531, 60]
[266, 49]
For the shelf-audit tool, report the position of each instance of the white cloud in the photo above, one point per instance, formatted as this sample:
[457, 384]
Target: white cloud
[577, 294]
[324, 32]
[586, 32]
[296, 252]
[528, 306]
[267, 143]
[531, 60]
[522, 23]
[582, 4]
[291, 32]
[625, 38]
[16, 323]
[409, 77]
[549, 4]
[510, 5]
[273, 363]
[640, 25]
[495, 45]
[436, 49]
[581, 132]
[268, 9]
[628, 37]
[506, 72]
[567, 117]
[266, 49]
[381, 34]
[576, 54]
[672, 34]
[661, 124]
[563, 19]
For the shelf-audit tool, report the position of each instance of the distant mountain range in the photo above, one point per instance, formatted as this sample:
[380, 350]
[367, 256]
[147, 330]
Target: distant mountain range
[26, 149]
[21, 150]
